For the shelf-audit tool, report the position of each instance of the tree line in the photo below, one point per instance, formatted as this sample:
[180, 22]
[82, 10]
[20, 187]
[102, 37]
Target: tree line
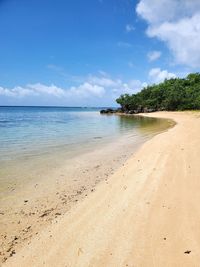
[173, 94]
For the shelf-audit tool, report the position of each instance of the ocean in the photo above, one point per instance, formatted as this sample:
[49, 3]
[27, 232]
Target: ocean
[35, 138]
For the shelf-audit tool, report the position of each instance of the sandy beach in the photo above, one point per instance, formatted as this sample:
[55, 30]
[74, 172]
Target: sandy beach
[145, 214]
[32, 204]
[37, 189]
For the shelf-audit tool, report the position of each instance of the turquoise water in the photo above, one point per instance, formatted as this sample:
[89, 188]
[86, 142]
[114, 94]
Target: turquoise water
[36, 140]
[28, 131]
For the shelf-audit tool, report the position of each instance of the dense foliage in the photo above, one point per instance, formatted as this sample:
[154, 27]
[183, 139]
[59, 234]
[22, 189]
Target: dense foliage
[173, 94]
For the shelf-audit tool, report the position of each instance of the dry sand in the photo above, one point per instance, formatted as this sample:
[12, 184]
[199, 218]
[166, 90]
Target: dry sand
[146, 214]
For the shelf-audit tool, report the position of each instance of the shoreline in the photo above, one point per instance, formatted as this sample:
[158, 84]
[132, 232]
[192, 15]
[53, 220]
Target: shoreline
[28, 208]
[92, 239]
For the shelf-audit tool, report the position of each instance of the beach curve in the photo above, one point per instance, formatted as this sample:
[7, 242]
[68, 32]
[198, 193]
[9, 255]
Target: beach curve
[146, 214]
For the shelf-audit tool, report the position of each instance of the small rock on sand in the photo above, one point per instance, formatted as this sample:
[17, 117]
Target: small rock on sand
[187, 252]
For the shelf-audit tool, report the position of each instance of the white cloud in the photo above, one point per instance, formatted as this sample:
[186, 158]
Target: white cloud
[32, 89]
[94, 86]
[53, 90]
[103, 81]
[136, 85]
[98, 89]
[183, 38]
[117, 86]
[157, 75]
[129, 28]
[17, 91]
[154, 55]
[177, 23]
[159, 11]
[86, 90]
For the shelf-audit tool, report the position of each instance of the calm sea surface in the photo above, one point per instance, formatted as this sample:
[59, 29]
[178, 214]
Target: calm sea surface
[30, 133]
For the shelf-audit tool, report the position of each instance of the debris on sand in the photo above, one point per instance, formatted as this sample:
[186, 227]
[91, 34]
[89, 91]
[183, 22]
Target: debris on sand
[187, 252]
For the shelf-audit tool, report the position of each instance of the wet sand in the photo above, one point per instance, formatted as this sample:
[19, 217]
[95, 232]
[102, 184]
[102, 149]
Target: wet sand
[28, 207]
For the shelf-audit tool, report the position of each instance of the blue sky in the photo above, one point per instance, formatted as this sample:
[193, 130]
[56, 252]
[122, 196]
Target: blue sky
[86, 53]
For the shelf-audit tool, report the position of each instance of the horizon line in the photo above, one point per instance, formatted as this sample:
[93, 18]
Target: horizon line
[51, 106]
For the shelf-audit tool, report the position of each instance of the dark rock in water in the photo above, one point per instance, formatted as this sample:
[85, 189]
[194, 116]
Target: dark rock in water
[140, 109]
[106, 111]
[111, 111]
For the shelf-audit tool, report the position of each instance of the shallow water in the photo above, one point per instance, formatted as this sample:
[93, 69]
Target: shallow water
[33, 139]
